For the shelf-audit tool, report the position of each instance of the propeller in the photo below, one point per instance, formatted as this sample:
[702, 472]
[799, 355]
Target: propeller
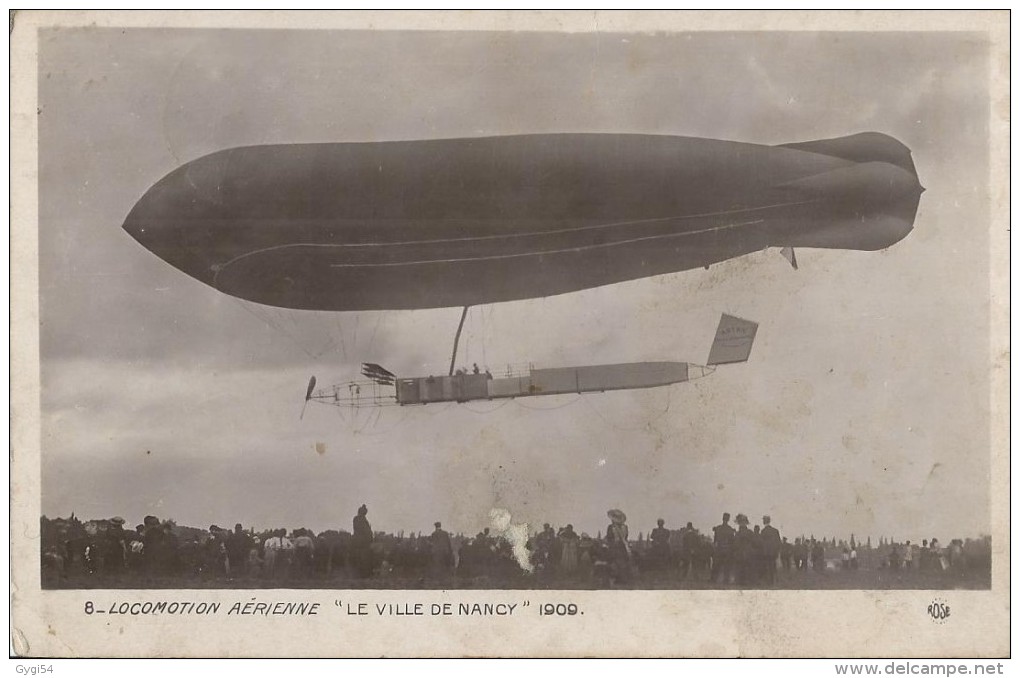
[308, 396]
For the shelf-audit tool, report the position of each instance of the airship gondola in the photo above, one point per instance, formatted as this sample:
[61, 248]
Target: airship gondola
[734, 338]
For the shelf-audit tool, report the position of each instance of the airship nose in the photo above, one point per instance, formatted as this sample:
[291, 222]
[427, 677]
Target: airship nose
[176, 225]
[135, 227]
[142, 225]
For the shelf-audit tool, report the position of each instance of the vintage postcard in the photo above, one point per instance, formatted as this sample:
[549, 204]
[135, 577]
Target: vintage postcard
[510, 333]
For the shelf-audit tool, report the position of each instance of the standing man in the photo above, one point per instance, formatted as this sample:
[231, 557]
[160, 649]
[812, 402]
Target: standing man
[786, 554]
[722, 557]
[304, 552]
[154, 549]
[361, 544]
[771, 544]
[442, 551]
[277, 554]
[800, 553]
[116, 546]
[238, 546]
[817, 555]
[660, 545]
[742, 555]
[691, 544]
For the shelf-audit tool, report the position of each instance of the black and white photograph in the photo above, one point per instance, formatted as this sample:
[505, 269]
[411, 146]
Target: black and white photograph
[520, 320]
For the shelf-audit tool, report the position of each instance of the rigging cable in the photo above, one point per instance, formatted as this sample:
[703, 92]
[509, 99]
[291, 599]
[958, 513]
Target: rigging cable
[491, 409]
[267, 319]
[547, 409]
[647, 423]
[363, 432]
[343, 341]
[371, 340]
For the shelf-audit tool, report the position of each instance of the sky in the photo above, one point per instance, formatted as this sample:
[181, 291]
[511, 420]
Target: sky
[864, 407]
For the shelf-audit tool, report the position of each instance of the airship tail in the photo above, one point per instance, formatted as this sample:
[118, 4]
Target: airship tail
[870, 202]
[863, 147]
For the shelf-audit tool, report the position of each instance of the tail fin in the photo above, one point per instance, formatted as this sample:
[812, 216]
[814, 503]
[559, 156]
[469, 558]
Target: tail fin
[733, 340]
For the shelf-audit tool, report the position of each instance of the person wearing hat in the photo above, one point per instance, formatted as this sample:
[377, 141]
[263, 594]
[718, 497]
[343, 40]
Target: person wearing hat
[786, 554]
[441, 551]
[660, 551]
[304, 552]
[133, 554]
[542, 547]
[362, 544]
[772, 544]
[114, 546]
[154, 549]
[689, 543]
[743, 551]
[216, 563]
[722, 555]
[617, 539]
[253, 559]
[278, 550]
[271, 548]
[570, 551]
[817, 555]
[238, 546]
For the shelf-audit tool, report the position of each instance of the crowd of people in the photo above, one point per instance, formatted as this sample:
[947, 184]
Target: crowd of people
[159, 552]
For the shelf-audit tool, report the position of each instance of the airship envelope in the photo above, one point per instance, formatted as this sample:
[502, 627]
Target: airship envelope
[461, 222]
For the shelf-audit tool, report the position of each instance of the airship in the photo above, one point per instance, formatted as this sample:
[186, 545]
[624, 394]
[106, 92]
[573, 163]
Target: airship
[464, 222]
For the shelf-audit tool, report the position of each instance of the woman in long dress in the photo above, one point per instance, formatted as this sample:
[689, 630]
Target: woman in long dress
[570, 551]
[619, 547]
